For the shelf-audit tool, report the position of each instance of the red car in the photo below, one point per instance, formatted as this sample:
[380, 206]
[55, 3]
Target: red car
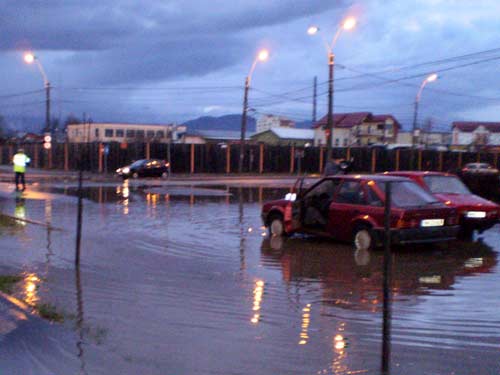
[475, 213]
[351, 208]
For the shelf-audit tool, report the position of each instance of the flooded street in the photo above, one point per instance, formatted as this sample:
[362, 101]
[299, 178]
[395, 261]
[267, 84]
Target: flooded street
[185, 280]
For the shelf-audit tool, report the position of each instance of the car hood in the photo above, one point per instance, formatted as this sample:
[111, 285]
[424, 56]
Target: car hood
[469, 200]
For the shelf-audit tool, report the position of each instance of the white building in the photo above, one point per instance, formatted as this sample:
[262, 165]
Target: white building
[474, 133]
[117, 132]
[266, 122]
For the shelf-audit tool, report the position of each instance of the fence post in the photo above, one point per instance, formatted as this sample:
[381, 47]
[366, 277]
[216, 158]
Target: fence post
[66, 156]
[397, 160]
[261, 158]
[228, 158]
[348, 153]
[495, 161]
[35, 156]
[99, 157]
[478, 157]
[148, 150]
[49, 157]
[374, 160]
[192, 158]
[419, 166]
[459, 160]
[292, 158]
[440, 168]
[11, 153]
[321, 151]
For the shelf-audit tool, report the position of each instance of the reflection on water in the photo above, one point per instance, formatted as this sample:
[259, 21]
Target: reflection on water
[30, 285]
[258, 292]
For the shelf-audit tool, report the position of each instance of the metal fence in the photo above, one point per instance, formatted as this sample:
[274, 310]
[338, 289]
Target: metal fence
[259, 158]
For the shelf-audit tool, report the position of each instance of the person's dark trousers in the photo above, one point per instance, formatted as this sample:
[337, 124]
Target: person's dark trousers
[20, 180]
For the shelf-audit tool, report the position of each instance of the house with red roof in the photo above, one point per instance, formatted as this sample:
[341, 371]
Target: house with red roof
[475, 133]
[357, 128]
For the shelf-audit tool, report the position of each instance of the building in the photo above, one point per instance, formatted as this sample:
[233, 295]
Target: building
[266, 122]
[214, 136]
[118, 132]
[285, 137]
[475, 134]
[358, 128]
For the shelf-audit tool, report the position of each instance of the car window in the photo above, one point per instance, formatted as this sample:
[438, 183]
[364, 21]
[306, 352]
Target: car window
[138, 163]
[350, 192]
[408, 194]
[372, 198]
[445, 184]
[327, 187]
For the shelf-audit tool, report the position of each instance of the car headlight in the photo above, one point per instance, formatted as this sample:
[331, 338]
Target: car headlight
[126, 170]
[118, 170]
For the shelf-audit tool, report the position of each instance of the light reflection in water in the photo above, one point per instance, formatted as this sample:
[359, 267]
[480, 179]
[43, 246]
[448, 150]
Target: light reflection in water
[258, 292]
[339, 352]
[306, 320]
[125, 192]
[20, 211]
[31, 284]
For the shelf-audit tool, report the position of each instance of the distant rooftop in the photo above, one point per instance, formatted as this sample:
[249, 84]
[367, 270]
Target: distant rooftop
[292, 133]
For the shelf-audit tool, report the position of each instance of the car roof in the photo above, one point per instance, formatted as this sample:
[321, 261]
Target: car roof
[417, 173]
[364, 177]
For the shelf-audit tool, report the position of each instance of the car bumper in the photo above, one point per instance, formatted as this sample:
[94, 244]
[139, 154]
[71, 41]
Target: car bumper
[478, 224]
[422, 235]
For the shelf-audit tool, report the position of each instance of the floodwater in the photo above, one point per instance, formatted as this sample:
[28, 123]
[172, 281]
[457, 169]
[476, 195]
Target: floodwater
[184, 280]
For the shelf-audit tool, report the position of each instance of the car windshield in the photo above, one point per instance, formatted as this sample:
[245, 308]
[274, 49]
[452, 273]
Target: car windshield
[138, 163]
[446, 184]
[408, 194]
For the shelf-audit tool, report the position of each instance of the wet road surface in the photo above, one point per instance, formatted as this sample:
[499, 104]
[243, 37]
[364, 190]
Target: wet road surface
[184, 280]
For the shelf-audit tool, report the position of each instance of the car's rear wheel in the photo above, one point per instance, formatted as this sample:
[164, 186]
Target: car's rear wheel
[135, 175]
[164, 175]
[276, 226]
[363, 238]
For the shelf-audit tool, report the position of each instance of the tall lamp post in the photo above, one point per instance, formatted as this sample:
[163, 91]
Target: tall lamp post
[262, 56]
[347, 24]
[30, 58]
[430, 78]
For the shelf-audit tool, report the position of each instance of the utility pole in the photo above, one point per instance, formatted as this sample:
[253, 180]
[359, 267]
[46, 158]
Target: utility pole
[48, 127]
[243, 125]
[315, 99]
[329, 123]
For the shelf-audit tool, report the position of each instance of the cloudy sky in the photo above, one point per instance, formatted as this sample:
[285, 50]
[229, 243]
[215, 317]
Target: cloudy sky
[174, 60]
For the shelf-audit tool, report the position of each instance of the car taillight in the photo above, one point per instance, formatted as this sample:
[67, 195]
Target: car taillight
[288, 213]
[407, 223]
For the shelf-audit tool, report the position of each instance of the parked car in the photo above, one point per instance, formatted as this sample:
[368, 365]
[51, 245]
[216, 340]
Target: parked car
[351, 208]
[145, 168]
[475, 213]
[479, 169]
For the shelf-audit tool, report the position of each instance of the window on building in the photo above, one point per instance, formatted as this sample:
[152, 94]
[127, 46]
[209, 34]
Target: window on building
[108, 132]
[345, 142]
[160, 134]
[130, 133]
[150, 133]
[336, 141]
[140, 133]
[380, 127]
[97, 132]
[369, 129]
[119, 132]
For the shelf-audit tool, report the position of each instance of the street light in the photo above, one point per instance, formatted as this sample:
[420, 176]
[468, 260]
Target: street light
[262, 56]
[347, 24]
[30, 58]
[430, 78]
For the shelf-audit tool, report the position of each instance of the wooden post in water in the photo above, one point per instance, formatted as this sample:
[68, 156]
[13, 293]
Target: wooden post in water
[79, 214]
[419, 166]
[387, 282]
[397, 160]
[459, 160]
[440, 168]
[148, 150]
[292, 158]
